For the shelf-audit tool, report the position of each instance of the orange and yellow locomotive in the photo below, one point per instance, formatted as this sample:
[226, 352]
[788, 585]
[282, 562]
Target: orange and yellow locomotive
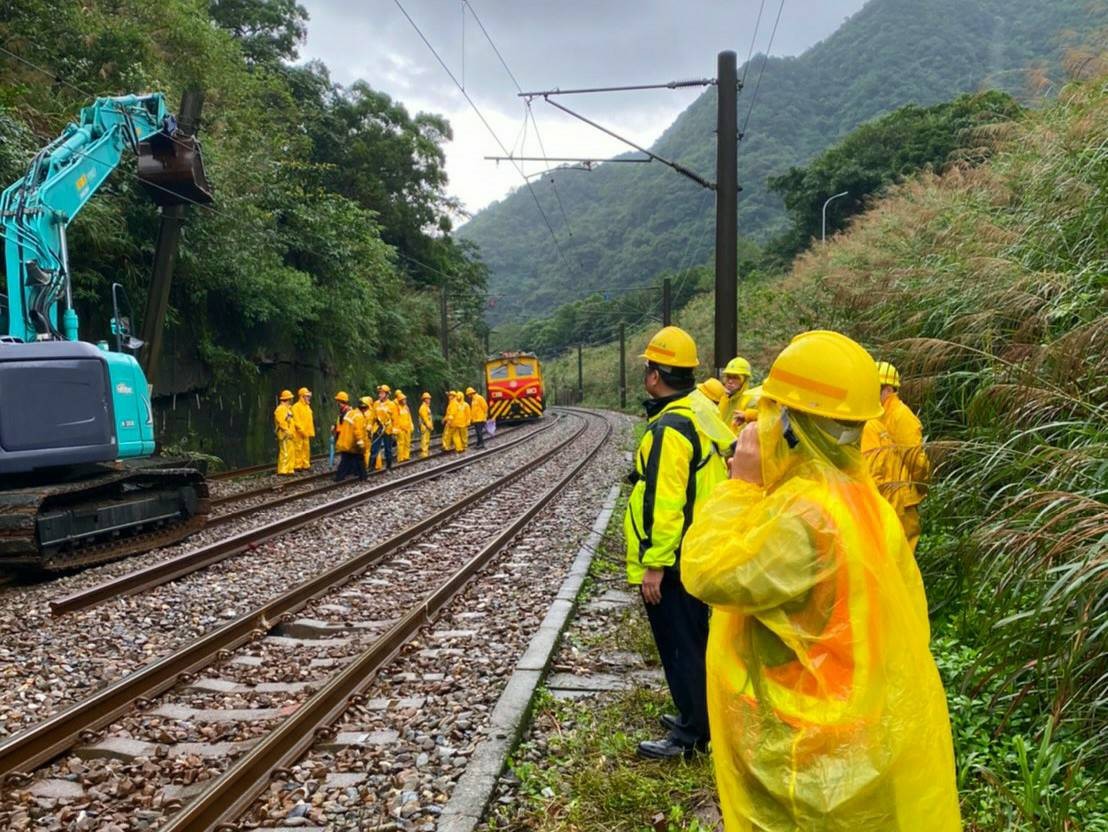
[513, 382]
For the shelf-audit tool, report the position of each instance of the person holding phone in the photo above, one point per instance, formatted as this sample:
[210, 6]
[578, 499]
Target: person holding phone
[826, 707]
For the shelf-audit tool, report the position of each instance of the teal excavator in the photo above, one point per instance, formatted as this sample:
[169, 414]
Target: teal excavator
[79, 481]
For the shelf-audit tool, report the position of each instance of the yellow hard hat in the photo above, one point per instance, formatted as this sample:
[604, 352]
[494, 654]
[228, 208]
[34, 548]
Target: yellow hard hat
[286, 395]
[737, 367]
[712, 388]
[826, 374]
[887, 374]
[425, 395]
[673, 347]
[366, 401]
[470, 391]
[341, 396]
[303, 391]
[400, 395]
[384, 387]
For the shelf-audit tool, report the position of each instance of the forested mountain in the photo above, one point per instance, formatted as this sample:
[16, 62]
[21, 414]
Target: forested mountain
[629, 223]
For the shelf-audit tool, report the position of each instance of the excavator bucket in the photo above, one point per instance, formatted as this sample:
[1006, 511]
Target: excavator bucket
[171, 168]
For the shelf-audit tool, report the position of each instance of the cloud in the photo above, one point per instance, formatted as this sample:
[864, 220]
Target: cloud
[546, 44]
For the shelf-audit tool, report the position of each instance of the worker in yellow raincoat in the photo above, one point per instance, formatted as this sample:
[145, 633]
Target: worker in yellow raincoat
[827, 711]
[305, 429]
[369, 428]
[385, 415]
[478, 414]
[459, 422]
[426, 425]
[736, 408]
[350, 439]
[893, 448]
[448, 421]
[284, 426]
[464, 421]
[404, 428]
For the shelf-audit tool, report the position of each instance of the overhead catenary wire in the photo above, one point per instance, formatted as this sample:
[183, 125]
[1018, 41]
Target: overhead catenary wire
[529, 113]
[762, 71]
[753, 39]
[488, 127]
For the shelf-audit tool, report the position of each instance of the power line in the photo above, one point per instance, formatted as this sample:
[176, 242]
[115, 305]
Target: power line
[529, 113]
[553, 180]
[753, 38]
[765, 60]
[496, 138]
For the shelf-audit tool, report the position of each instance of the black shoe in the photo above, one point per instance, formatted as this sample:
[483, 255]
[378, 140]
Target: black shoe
[666, 749]
[668, 721]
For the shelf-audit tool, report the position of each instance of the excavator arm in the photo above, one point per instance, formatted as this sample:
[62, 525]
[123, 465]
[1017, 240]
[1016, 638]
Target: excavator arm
[62, 178]
[35, 210]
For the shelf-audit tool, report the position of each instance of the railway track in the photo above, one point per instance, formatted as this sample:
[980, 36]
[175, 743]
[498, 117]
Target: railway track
[281, 486]
[390, 605]
[147, 577]
[269, 467]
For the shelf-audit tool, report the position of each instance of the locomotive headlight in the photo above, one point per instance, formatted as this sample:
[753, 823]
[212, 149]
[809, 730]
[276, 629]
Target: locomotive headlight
[532, 391]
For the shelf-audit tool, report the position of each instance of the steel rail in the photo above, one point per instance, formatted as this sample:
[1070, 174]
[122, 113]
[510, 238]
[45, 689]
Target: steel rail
[269, 466]
[253, 469]
[173, 568]
[302, 480]
[40, 743]
[236, 789]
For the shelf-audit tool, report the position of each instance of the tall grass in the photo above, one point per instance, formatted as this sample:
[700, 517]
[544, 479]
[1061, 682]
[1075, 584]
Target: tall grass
[988, 287]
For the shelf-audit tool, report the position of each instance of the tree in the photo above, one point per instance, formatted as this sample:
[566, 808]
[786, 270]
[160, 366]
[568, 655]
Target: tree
[267, 30]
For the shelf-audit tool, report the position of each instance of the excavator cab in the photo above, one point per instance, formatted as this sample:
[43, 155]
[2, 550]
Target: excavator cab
[171, 168]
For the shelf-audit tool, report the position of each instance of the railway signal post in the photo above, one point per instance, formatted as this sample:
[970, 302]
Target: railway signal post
[580, 377]
[622, 366]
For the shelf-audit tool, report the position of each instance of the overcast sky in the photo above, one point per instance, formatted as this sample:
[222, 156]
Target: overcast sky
[548, 43]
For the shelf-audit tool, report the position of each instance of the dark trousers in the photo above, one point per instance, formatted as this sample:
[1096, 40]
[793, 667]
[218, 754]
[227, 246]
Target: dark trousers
[350, 465]
[680, 627]
[382, 442]
[479, 429]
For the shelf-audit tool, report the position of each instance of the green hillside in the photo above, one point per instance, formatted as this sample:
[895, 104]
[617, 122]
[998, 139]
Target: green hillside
[628, 223]
[988, 286]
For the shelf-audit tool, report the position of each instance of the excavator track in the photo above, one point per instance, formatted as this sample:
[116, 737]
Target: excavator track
[108, 514]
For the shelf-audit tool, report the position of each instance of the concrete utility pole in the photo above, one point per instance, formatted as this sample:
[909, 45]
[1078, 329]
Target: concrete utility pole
[622, 366]
[580, 377]
[444, 329]
[823, 231]
[667, 302]
[165, 253]
[727, 216]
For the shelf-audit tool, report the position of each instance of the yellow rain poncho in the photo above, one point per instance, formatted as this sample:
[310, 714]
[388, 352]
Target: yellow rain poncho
[827, 711]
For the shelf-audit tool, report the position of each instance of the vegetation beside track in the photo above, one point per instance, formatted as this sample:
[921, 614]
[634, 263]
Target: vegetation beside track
[988, 286]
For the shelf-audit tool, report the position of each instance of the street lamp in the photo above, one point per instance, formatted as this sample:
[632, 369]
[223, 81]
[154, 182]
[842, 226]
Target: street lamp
[823, 233]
